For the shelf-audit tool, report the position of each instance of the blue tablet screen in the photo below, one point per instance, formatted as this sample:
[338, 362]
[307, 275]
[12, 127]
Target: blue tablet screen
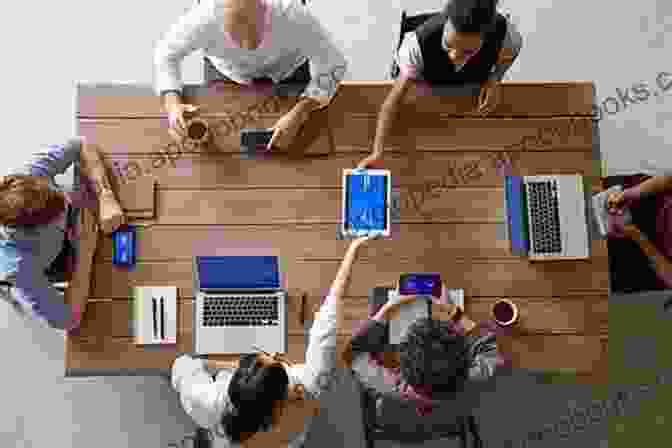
[366, 202]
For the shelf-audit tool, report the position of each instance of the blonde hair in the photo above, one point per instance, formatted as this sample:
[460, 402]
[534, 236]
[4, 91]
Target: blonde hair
[28, 200]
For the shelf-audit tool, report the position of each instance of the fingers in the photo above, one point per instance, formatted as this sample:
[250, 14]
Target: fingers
[274, 139]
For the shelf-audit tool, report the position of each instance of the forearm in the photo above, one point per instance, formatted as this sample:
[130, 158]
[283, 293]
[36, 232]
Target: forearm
[386, 118]
[340, 282]
[304, 107]
[214, 364]
[94, 169]
[656, 184]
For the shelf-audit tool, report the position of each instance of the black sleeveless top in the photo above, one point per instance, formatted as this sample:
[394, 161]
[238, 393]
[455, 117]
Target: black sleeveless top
[438, 69]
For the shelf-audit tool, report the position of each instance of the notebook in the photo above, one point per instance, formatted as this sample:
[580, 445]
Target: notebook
[155, 315]
[240, 302]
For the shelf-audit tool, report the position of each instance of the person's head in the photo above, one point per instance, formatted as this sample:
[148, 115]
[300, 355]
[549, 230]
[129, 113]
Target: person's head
[433, 356]
[259, 390]
[28, 201]
[467, 21]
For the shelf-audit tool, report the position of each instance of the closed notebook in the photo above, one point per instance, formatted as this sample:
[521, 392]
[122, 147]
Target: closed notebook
[154, 323]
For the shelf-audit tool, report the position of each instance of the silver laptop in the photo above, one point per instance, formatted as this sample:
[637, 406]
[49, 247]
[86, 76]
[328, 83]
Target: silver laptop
[556, 214]
[240, 302]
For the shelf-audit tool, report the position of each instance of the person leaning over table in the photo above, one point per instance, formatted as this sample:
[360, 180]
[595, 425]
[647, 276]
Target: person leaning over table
[467, 43]
[266, 400]
[36, 219]
[435, 357]
[650, 201]
[247, 41]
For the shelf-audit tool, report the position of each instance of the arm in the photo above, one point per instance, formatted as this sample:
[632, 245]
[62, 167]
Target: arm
[327, 63]
[662, 264]
[93, 168]
[214, 364]
[509, 52]
[190, 33]
[388, 113]
[656, 184]
[196, 389]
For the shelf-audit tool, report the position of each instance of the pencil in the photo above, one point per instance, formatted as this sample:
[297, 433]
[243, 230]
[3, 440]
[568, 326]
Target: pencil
[154, 315]
[163, 321]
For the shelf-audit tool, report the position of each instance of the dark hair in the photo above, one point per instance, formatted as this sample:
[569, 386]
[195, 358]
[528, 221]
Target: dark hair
[433, 354]
[254, 390]
[471, 16]
[28, 201]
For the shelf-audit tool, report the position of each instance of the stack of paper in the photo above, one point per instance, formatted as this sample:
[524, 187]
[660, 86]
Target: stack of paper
[155, 315]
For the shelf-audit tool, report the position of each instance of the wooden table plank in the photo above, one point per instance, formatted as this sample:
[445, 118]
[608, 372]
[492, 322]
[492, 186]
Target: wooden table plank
[478, 277]
[519, 98]
[460, 240]
[356, 133]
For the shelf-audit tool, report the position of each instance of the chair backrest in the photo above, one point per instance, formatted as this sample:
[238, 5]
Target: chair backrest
[407, 23]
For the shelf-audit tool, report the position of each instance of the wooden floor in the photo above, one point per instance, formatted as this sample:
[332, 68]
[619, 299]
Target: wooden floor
[443, 159]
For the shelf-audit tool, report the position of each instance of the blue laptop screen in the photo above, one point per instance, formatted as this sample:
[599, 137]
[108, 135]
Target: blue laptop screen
[238, 272]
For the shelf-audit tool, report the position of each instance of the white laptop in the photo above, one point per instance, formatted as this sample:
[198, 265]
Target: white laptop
[240, 302]
[556, 215]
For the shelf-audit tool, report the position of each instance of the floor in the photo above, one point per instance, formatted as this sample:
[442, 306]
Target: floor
[42, 409]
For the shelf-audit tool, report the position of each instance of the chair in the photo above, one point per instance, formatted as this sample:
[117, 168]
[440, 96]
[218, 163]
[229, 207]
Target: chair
[383, 410]
[407, 24]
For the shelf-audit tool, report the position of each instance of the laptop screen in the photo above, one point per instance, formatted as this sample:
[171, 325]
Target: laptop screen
[238, 272]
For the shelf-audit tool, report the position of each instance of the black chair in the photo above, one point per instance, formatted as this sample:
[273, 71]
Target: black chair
[383, 410]
[407, 24]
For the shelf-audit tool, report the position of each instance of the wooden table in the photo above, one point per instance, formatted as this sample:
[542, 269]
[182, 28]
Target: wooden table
[443, 160]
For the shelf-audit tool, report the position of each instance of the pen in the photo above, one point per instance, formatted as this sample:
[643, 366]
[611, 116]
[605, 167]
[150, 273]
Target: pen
[163, 321]
[154, 315]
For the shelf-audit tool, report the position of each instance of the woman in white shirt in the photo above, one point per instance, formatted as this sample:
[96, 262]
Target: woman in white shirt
[247, 41]
[265, 400]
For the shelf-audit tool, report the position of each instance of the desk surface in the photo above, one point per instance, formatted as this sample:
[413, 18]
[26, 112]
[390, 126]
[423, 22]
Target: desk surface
[443, 160]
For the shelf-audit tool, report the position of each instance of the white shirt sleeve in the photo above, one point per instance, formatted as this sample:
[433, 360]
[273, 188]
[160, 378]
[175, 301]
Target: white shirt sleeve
[197, 390]
[409, 57]
[320, 368]
[191, 32]
[327, 63]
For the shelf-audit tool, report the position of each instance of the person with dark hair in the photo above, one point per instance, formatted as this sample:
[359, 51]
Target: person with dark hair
[640, 253]
[39, 220]
[253, 42]
[467, 44]
[434, 360]
[264, 399]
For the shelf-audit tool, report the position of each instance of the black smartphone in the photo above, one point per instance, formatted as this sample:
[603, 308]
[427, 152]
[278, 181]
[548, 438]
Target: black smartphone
[254, 141]
[420, 284]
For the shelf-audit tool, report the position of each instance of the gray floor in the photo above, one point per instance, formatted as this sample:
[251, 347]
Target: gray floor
[41, 409]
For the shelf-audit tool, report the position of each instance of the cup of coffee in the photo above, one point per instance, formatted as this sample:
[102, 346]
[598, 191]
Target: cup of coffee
[505, 312]
[197, 130]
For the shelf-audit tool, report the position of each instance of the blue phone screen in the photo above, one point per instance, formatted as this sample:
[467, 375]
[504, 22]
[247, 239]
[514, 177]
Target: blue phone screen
[420, 284]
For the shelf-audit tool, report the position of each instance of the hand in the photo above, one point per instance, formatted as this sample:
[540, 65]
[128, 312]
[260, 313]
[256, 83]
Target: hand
[631, 231]
[111, 215]
[616, 202]
[362, 239]
[176, 119]
[285, 130]
[370, 161]
[489, 98]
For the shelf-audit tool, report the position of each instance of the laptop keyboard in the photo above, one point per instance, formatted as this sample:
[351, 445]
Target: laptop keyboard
[543, 206]
[256, 311]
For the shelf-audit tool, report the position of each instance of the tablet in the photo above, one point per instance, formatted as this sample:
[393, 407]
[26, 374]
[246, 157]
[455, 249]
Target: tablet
[366, 202]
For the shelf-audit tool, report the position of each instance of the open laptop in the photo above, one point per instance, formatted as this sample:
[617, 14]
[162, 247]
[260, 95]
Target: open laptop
[556, 217]
[240, 302]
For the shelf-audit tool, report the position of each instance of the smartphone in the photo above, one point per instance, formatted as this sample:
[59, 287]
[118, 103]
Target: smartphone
[255, 140]
[124, 246]
[420, 284]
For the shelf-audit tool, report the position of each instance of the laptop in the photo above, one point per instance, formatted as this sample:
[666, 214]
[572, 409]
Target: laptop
[240, 302]
[547, 217]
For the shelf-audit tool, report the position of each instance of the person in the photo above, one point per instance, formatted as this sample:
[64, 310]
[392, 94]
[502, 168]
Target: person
[649, 199]
[435, 359]
[265, 399]
[37, 219]
[467, 43]
[251, 42]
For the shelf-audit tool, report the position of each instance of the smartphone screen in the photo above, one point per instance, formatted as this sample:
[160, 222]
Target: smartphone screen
[420, 284]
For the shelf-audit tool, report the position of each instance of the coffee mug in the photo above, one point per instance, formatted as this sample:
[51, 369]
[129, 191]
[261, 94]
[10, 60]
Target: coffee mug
[198, 130]
[505, 312]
